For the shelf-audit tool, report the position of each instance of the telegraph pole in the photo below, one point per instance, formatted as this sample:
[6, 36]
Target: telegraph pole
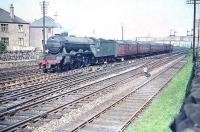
[122, 32]
[194, 29]
[173, 33]
[198, 38]
[44, 5]
[194, 2]
[188, 32]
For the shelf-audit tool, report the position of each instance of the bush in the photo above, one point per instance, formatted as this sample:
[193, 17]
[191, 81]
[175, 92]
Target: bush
[3, 47]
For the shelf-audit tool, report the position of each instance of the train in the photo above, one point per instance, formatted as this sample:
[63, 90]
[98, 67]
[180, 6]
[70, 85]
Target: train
[68, 52]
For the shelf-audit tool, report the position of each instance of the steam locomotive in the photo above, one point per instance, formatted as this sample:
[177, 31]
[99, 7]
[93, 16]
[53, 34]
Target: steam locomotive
[64, 53]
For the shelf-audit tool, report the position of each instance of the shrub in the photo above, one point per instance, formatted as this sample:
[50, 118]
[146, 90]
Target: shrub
[3, 47]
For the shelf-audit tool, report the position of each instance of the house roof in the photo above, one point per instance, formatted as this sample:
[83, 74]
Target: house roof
[5, 18]
[49, 23]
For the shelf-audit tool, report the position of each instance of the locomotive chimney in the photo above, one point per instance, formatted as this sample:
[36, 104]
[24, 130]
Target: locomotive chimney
[11, 11]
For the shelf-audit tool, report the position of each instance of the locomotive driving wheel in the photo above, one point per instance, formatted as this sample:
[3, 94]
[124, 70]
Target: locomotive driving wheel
[44, 70]
[59, 68]
[86, 61]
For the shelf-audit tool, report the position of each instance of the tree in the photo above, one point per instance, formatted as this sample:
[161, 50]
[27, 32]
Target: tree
[3, 47]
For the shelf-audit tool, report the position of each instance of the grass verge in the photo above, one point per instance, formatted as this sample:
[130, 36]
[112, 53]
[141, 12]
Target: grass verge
[161, 112]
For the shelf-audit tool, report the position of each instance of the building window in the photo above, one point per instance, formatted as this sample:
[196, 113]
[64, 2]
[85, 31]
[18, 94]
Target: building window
[49, 30]
[5, 40]
[20, 28]
[20, 41]
[4, 27]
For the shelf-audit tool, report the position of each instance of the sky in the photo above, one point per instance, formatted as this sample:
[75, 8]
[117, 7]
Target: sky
[104, 18]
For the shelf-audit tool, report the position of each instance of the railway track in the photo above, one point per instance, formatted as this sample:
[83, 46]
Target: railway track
[57, 85]
[49, 86]
[19, 77]
[64, 77]
[64, 101]
[117, 113]
[12, 78]
[14, 64]
[8, 77]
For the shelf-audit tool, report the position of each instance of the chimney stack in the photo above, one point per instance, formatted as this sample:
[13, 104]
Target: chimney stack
[12, 11]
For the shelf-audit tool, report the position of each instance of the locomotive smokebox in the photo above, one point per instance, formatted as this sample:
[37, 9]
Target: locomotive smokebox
[54, 45]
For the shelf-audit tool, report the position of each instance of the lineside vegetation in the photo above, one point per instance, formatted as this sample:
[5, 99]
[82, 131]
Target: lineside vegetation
[162, 111]
[3, 47]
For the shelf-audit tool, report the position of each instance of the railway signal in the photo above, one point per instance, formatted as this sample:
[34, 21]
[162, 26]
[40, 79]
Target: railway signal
[122, 32]
[194, 2]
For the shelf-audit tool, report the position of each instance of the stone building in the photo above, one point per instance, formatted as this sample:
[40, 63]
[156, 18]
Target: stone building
[14, 31]
[36, 31]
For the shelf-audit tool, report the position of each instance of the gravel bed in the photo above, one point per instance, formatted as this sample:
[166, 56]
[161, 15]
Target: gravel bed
[14, 64]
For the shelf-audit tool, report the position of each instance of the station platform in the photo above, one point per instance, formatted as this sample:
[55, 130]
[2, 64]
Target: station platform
[188, 120]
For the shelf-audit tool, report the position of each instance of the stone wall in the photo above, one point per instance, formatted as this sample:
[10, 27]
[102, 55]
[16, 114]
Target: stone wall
[19, 55]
